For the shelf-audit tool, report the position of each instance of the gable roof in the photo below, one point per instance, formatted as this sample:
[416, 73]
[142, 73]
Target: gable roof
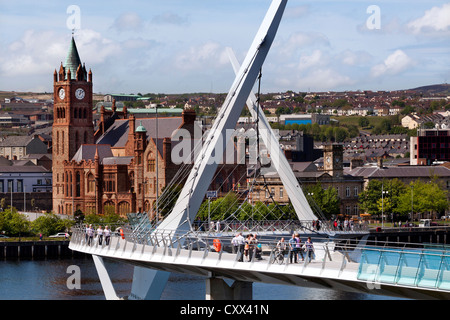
[87, 152]
[117, 133]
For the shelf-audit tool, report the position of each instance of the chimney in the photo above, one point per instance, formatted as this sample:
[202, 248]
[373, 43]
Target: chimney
[188, 116]
[167, 150]
[380, 162]
[355, 163]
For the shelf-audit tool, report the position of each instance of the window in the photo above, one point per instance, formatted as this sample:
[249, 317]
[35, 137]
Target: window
[110, 185]
[355, 191]
[281, 192]
[347, 192]
[91, 183]
[19, 185]
[2, 187]
[77, 185]
[151, 165]
[10, 186]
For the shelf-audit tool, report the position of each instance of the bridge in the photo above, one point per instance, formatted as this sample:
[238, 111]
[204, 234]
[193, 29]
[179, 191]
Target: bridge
[343, 263]
[344, 260]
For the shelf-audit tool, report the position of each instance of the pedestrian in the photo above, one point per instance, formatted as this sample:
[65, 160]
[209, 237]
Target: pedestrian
[258, 248]
[298, 247]
[86, 233]
[90, 233]
[100, 235]
[217, 225]
[293, 249]
[309, 248]
[247, 246]
[240, 246]
[107, 234]
[281, 245]
[251, 247]
[40, 236]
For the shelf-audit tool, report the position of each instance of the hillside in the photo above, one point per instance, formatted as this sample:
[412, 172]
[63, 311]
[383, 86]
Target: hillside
[435, 89]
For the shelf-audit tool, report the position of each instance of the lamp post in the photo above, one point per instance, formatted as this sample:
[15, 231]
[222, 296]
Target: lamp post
[382, 205]
[412, 203]
[157, 169]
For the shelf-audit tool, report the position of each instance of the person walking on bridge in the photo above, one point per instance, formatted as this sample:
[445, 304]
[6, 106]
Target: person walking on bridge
[309, 248]
[293, 249]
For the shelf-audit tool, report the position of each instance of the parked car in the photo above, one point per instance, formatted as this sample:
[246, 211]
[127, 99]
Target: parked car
[59, 235]
[3, 236]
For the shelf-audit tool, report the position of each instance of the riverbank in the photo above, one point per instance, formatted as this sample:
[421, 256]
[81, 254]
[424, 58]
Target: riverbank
[36, 249]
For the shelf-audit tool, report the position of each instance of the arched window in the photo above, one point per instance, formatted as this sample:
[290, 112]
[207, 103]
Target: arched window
[77, 185]
[90, 183]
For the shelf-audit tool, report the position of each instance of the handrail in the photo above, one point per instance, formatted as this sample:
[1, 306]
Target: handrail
[351, 254]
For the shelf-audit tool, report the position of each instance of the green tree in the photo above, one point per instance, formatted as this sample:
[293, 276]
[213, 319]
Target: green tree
[48, 224]
[13, 223]
[369, 197]
[363, 122]
[326, 200]
[423, 197]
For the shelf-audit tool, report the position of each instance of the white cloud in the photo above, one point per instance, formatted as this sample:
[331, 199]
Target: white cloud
[395, 63]
[312, 61]
[129, 21]
[354, 58]
[202, 57]
[299, 41]
[35, 53]
[435, 19]
[169, 18]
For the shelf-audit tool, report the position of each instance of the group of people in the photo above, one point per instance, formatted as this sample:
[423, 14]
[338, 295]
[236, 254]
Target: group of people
[296, 248]
[247, 247]
[100, 233]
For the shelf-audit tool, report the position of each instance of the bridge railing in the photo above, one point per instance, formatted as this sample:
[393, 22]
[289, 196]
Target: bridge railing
[407, 264]
[274, 226]
[257, 248]
[426, 267]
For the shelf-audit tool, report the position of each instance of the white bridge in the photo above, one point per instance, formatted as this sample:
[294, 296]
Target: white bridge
[402, 270]
[173, 246]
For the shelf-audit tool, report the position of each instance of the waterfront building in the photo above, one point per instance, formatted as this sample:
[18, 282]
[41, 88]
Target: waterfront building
[123, 163]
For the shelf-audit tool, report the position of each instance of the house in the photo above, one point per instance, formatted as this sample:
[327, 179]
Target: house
[25, 185]
[17, 147]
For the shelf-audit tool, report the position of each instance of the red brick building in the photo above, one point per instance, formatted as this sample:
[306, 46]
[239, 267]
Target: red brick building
[123, 165]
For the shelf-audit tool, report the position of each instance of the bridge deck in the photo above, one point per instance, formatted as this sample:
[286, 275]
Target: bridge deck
[334, 266]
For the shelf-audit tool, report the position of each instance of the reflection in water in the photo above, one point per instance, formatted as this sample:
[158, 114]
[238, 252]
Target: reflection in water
[47, 280]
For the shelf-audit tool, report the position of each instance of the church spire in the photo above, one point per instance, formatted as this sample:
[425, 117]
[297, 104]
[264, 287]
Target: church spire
[72, 59]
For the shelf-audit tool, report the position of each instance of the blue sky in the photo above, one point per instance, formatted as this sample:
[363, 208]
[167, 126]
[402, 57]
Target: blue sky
[176, 46]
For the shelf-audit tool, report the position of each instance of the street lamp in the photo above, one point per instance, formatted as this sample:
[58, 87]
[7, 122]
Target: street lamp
[382, 205]
[412, 203]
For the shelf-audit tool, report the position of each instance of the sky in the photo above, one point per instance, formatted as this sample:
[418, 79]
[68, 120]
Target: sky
[179, 46]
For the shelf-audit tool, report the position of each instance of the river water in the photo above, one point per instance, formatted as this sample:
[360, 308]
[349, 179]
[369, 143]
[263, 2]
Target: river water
[47, 280]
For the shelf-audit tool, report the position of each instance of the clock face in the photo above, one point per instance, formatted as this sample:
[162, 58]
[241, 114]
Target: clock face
[79, 93]
[61, 93]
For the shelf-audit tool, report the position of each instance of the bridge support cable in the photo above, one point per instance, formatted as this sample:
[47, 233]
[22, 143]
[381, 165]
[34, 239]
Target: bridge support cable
[203, 171]
[298, 199]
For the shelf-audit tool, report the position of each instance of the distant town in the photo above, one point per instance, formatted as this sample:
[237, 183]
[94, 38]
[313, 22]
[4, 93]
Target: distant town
[372, 134]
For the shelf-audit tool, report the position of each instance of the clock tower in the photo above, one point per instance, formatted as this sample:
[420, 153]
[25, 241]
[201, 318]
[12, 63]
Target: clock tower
[333, 158]
[72, 120]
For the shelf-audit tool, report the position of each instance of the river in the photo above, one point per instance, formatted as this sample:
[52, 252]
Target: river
[46, 279]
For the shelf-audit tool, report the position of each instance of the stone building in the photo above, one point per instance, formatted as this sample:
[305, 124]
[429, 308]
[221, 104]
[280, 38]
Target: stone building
[124, 163]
